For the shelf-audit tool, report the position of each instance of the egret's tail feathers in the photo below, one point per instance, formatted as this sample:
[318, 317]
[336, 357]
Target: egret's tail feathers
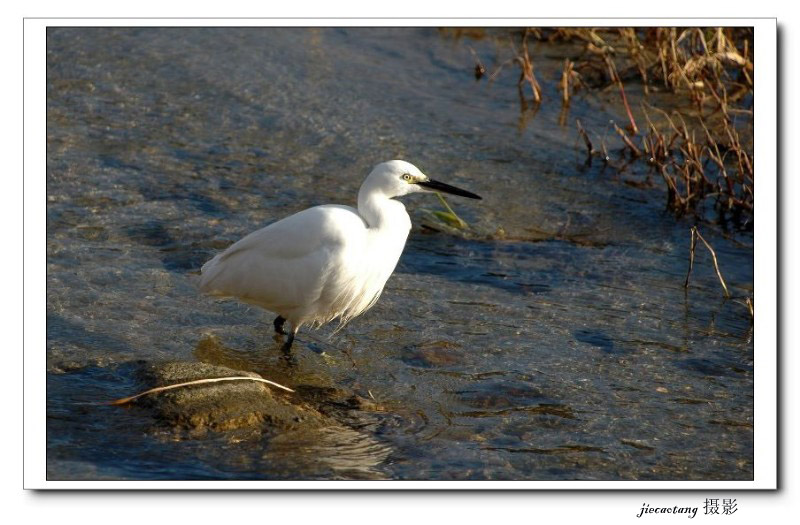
[208, 274]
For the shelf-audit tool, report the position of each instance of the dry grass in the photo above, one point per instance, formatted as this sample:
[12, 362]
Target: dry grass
[698, 147]
[697, 150]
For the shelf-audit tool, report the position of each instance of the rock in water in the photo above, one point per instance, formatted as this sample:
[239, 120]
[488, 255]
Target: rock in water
[226, 405]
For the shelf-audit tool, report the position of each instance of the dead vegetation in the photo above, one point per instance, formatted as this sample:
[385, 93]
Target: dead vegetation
[696, 148]
[700, 145]
[747, 300]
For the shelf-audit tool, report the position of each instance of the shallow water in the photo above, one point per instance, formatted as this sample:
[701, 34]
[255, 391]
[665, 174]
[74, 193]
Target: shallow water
[553, 341]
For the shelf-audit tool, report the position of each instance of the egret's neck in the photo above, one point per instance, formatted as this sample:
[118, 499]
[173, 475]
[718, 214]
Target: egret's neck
[380, 211]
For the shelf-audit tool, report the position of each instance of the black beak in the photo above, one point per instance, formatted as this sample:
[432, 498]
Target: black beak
[446, 188]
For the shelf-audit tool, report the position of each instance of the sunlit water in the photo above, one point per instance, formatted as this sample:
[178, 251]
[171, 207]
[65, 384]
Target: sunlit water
[553, 341]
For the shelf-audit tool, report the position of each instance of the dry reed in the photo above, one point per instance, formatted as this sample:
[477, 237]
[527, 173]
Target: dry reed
[126, 400]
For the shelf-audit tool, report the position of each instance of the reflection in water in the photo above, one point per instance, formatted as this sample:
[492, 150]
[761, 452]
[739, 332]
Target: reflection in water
[347, 453]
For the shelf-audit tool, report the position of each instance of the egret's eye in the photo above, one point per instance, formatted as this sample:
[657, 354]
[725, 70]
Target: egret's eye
[406, 177]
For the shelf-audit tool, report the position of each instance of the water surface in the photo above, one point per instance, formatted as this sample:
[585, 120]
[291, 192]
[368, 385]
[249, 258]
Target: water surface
[552, 341]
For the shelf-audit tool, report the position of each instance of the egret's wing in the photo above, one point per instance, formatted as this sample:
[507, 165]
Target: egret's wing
[286, 264]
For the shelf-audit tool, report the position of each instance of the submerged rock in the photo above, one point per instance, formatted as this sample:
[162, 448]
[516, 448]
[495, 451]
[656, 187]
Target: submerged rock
[226, 405]
[308, 429]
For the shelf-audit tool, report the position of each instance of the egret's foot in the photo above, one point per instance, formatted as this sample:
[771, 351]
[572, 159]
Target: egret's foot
[290, 360]
[278, 324]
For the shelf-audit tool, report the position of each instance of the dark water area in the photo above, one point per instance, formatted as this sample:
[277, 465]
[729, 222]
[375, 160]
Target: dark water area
[554, 340]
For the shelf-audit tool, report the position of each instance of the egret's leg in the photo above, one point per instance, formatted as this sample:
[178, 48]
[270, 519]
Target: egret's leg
[278, 323]
[287, 346]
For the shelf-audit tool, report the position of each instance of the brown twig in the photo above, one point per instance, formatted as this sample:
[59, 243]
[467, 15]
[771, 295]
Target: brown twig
[636, 152]
[526, 65]
[480, 69]
[585, 136]
[566, 77]
[612, 71]
[696, 235]
[692, 246]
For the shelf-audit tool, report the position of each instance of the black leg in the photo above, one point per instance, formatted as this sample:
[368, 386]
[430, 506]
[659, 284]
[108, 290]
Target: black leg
[287, 346]
[286, 349]
[278, 323]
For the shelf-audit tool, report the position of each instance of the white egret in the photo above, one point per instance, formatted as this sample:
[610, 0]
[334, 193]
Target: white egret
[325, 262]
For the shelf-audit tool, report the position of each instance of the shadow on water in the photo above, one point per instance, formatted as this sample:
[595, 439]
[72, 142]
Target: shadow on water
[184, 195]
[176, 254]
[97, 343]
[597, 339]
[471, 262]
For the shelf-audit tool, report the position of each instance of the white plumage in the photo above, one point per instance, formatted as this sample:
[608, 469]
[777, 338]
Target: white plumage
[325, 262]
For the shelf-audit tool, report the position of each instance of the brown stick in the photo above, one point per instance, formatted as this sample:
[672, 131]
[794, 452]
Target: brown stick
[691, 255]
[566, 75]
[636, 152]
[612, 71]
[589, 148]
[695, 232]
[480, 69]
[526, 65]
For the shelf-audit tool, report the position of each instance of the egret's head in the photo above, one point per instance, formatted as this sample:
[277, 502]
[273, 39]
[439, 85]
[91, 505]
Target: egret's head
[396, 178]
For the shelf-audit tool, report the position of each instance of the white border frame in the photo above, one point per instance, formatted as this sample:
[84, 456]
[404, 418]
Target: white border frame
[765, 254]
